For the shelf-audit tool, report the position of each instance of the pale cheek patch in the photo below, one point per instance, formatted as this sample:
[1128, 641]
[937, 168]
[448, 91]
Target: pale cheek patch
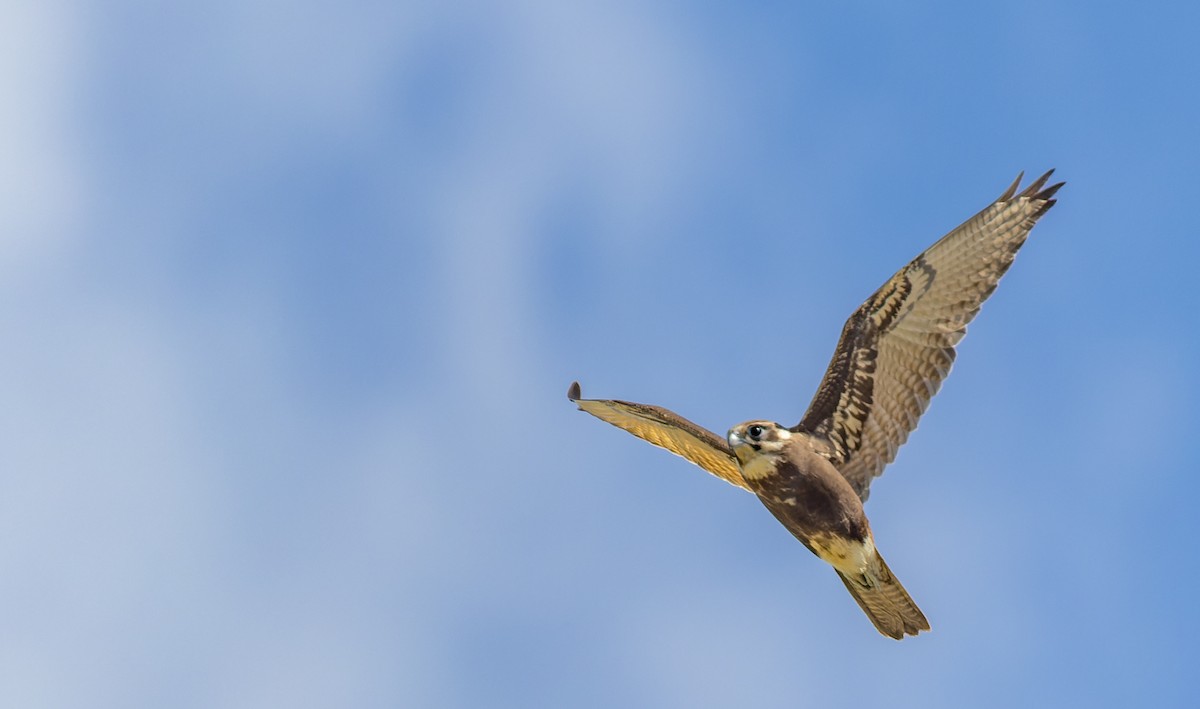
[758, 467]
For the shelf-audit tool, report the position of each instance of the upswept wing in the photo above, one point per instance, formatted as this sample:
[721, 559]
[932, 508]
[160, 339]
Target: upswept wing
[897, 348]
[666, 429]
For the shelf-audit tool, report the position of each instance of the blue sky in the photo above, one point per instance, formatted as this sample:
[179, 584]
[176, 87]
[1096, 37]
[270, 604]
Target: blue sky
[293, 293]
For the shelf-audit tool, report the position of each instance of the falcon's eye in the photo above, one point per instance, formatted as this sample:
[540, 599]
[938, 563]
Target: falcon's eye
[755, 431]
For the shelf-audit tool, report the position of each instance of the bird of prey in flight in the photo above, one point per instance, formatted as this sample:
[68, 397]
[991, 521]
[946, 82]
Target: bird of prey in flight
[893, 354]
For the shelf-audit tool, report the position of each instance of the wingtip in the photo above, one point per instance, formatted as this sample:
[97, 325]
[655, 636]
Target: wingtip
[573, 392]
[1048, 193]
[1036, 190]
[1012, 189]
[1036, 186]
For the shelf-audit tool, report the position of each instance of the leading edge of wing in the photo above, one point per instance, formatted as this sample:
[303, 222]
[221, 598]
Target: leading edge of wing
[894, 353]
[666, 429]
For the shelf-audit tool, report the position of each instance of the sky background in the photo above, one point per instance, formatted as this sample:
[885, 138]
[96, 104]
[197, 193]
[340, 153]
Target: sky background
[291, 295]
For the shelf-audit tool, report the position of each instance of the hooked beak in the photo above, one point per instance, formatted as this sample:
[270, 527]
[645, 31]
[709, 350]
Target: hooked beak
[742, 449]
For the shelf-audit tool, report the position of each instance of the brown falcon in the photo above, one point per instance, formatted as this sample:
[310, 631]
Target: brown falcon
[894, 352]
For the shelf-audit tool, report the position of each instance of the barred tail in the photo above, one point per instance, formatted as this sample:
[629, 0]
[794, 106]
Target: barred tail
[885, 601]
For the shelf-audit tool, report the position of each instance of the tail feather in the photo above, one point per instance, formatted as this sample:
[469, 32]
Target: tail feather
[885, 601]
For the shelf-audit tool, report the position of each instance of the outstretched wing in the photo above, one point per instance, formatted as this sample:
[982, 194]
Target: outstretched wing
[897, 348]
[666, 429]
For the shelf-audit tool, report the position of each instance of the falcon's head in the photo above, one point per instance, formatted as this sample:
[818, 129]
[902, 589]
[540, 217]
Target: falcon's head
[757, 439]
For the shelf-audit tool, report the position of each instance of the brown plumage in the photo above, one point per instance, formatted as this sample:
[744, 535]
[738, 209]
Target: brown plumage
[797, 483]
[894, 352]
[898, 347]
[885, 601]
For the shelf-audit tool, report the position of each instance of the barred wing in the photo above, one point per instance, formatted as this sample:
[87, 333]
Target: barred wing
[896, 349]
[666, 429]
